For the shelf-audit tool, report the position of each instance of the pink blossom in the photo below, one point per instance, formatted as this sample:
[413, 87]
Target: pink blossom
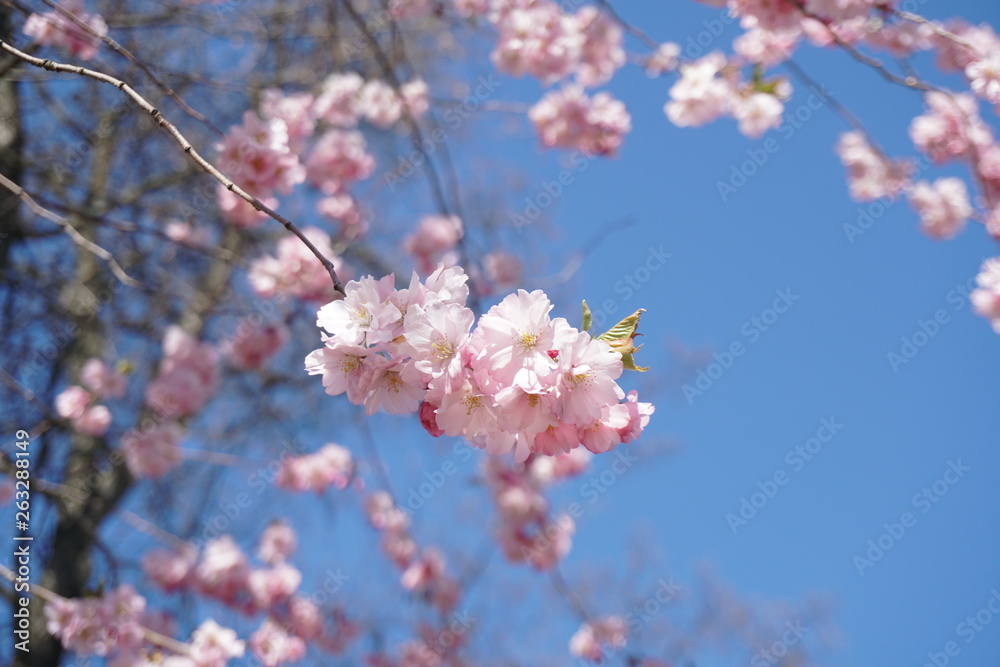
[588, 369]
[602, 52]
[153, 451]
[294, 270]
[666, 58]
[272, 586]
[502, 269]
[955, 55]
[393, 386]
[238, 212]
[365, 316]
[434, 235]
[984, 76]
[338, 159]
[94, 421]
[54, 29]
[187, 378]
[869, 174]
[950, 128]
[274, 646]
[597, 636]
[101, 380]
[416, 97]
[514, 338]
[700, 96]
[258, 157]
[330, 466]
[343, 369]
[170, 569]
[186, 233]
[538, 39]
[222, 571]
[342, 207]
[943, 206]
[98, 626]
[213, 645]
[295, 109]
[639, 415]
[253, 344]
[768, 14]
[337, 102]
[277, 543]
[766, 47]
[986, 297]
[72, 402]
[379, 103]
[567, 118]
[435, 336]
[757, 113]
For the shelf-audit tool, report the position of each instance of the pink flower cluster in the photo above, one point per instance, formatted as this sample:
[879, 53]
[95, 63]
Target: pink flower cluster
[294, 270]
[187, 378]
[433, 240]
[526, 532]
[345, 98]
[223, 572]
[521, 381]
[540, 39]
[54, 29]
[710, 88]
[330, 466]
[98, 626]
[950, 129]
[943, 206]
[870, 175]
[423, 572]
[568, 118]
[258, 156]
[254, 343]
[153, 451]
[986, 297]
[77, 405]
[598, 637]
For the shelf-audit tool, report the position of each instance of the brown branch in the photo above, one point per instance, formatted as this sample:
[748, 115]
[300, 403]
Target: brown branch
[71, 231]
[122, 51]
[185, 145]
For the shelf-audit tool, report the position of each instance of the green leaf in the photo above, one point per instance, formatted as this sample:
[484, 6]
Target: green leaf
[624, 329]
[621, 336]
[588, 318]
[629, 363]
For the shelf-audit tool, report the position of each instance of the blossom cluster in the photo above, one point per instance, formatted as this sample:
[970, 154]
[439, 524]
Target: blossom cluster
[330, 466]
[55, 29]
[423, 571]
[597, 637]
[224, 572]
[262, 154]
[986, 297]
[527, 533]
[78, 403]
[521, 381]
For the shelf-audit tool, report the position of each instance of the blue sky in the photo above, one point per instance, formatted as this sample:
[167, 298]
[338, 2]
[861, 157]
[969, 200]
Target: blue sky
[825, 358]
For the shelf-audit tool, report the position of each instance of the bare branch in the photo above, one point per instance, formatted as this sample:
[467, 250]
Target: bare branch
[185, 145]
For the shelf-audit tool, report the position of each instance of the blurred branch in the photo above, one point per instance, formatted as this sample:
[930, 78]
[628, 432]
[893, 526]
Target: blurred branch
[185, 145]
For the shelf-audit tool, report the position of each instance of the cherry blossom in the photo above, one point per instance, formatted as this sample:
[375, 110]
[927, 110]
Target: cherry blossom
[943, 206]
[54, 29]
[568, 118]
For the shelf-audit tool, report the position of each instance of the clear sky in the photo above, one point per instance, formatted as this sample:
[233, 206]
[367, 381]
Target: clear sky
[853, 299]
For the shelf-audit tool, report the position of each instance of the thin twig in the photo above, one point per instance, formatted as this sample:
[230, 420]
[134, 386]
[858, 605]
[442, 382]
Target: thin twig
[121, 50]
[185, 145]
[71, 231]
